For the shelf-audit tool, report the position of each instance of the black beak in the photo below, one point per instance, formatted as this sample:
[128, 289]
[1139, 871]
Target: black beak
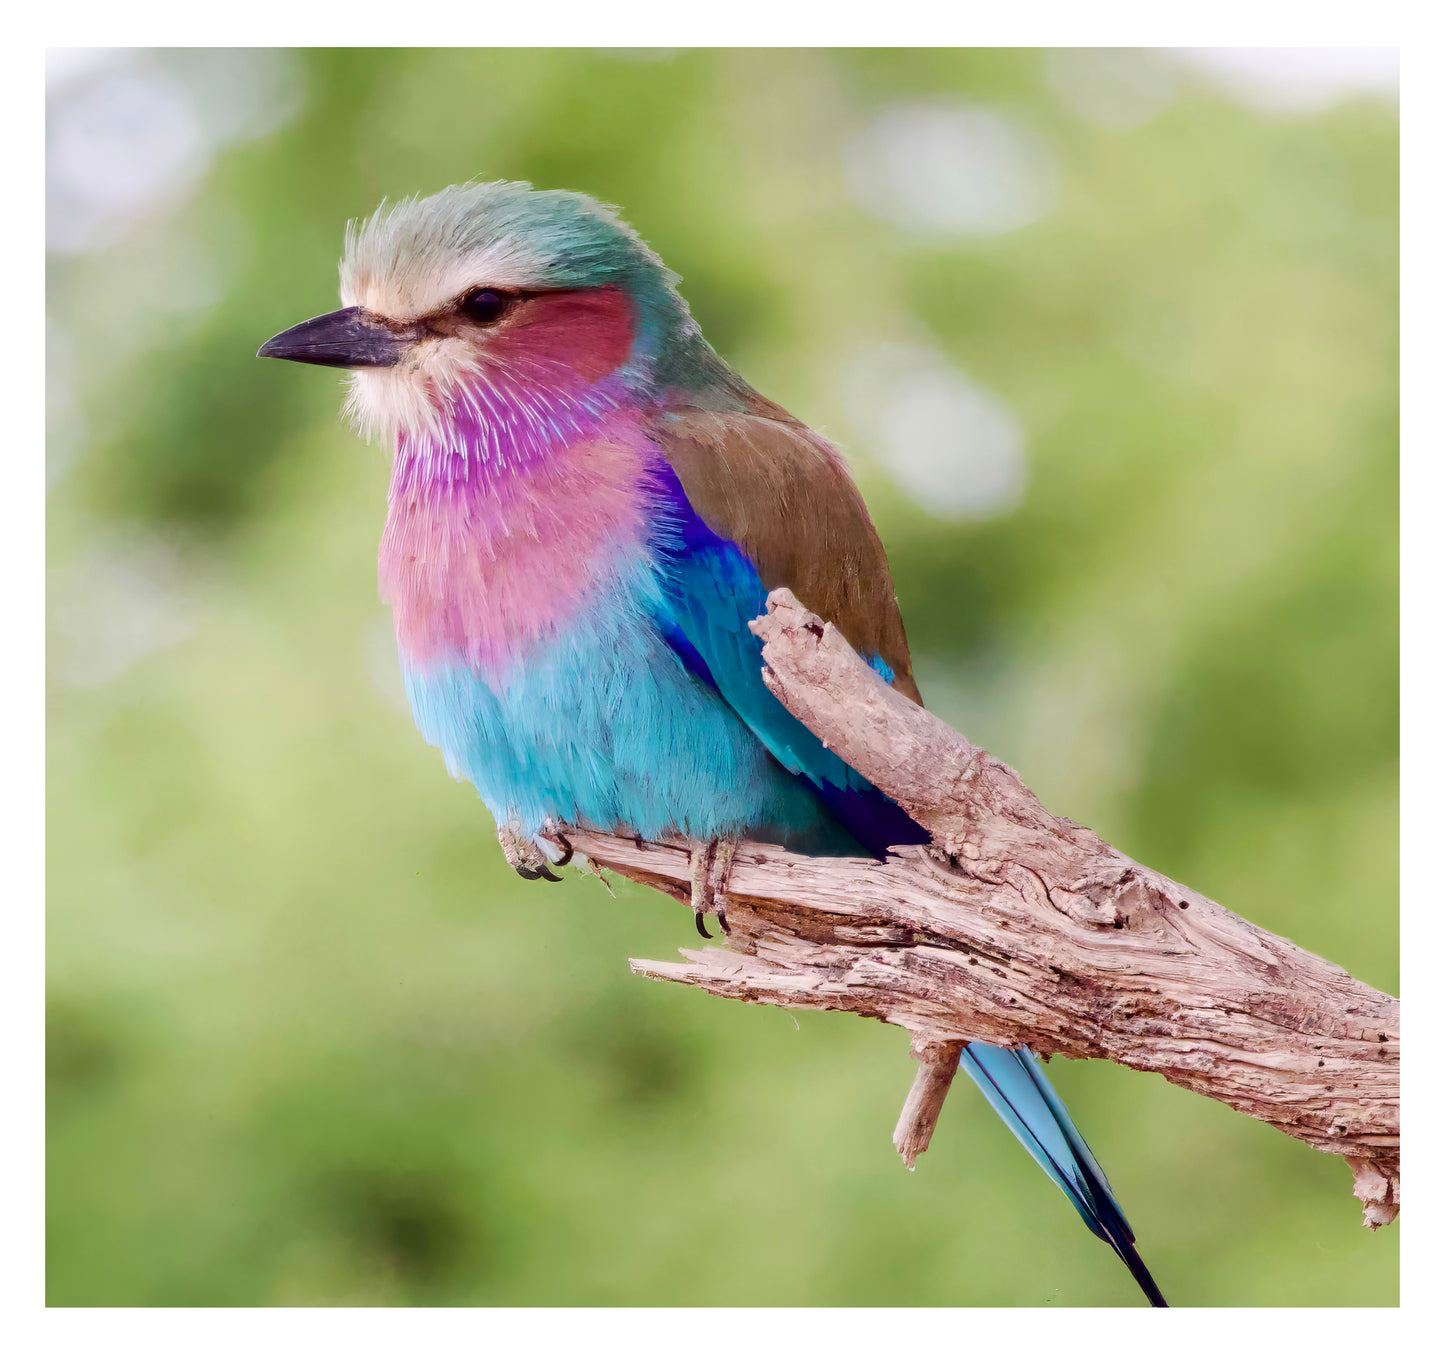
[349, 338]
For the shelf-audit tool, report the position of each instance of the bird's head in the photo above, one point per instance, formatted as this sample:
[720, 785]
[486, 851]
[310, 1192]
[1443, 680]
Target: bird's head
[487, 294]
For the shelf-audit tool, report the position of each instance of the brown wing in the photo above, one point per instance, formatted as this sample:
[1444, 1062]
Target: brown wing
[784, 495]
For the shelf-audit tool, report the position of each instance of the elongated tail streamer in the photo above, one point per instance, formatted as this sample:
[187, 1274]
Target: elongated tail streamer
[1015, 1086]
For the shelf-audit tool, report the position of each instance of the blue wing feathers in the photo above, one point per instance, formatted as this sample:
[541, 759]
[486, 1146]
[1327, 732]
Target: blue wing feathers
[711, 592]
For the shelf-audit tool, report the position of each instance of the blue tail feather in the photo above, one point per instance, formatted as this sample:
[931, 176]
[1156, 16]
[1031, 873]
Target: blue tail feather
[1015, 1086]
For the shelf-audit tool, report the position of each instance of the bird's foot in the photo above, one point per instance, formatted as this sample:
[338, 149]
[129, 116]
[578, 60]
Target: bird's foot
[525, 855]
[561, 843]
[712, 862]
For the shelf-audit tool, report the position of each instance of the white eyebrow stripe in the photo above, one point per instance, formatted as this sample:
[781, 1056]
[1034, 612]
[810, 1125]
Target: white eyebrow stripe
[432, 277]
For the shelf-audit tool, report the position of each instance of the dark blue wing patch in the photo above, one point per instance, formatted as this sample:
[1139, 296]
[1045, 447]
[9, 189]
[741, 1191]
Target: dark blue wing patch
[712, 592]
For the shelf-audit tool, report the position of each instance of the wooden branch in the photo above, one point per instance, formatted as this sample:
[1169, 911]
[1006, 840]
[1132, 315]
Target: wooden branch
[1019, 927]
[937, 1064]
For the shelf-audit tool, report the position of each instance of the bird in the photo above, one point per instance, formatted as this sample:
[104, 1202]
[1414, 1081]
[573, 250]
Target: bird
[587, 506]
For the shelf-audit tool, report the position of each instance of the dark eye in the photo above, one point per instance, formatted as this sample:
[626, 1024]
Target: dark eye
[484, 305]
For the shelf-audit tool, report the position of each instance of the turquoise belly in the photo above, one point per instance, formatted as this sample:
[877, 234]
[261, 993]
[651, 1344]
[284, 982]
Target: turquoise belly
[604, 726]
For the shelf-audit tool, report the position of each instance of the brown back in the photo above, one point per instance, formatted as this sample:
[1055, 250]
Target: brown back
[784, 495]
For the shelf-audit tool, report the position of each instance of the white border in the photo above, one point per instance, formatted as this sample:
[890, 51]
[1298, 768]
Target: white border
[1108, 22]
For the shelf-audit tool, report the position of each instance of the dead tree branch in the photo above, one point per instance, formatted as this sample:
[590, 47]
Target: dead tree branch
[1020, 927]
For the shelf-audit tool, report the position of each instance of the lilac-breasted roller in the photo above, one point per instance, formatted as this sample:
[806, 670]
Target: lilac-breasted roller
[587, 507]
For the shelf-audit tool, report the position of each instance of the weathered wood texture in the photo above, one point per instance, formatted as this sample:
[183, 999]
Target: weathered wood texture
[1020, 927]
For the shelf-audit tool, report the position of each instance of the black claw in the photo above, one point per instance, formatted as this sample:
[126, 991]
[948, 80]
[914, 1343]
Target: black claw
[722, 921]
[545, 874]
[702, 930]
[527, 873]
[566, 852]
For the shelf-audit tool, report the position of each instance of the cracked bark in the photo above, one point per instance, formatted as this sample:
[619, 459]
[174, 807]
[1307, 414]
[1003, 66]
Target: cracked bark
[1017, 926]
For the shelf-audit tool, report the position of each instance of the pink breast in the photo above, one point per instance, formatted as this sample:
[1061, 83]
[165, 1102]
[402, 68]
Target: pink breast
[478, 570]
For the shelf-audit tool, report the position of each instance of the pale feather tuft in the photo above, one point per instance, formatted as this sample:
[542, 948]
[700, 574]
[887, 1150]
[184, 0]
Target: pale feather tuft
[415, 256]
[383, 402]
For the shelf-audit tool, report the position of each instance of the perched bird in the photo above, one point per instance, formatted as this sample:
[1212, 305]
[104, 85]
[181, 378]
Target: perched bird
[587, 507]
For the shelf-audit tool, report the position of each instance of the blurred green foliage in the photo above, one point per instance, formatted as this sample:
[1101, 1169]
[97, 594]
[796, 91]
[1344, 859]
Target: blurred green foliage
[311, 1042]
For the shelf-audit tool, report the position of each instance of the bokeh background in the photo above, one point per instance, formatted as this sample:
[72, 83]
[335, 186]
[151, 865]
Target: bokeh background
[1110, 340]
